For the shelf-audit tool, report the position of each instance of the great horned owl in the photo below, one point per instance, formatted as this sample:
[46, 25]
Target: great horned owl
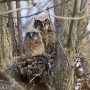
[48, 35]
[33, 44]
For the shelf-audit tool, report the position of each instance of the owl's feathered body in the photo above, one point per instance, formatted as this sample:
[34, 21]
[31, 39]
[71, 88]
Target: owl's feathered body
[48, 35]
[49, 40]
[33, 44]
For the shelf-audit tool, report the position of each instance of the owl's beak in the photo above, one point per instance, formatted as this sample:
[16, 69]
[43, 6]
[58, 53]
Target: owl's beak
[42, 25]
[35, 38]
[31, 34]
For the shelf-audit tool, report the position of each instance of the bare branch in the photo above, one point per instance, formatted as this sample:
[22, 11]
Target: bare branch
[11, 0]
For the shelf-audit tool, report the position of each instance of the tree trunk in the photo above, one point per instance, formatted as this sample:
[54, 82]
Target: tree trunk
[68, 33]
[9, 82]
[63, 73]
[84, 41]
[20, 42]
[5, 40]
[13, 31]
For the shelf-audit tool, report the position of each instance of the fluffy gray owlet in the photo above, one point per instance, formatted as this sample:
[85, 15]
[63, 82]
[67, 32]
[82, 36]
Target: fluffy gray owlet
[33, 44]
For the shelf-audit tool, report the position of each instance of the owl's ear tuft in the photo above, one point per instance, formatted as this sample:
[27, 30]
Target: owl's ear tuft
[28, 34]
[47, 20]
[36, 23]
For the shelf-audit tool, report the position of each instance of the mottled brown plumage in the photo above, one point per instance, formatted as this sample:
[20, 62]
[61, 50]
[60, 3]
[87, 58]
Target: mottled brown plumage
[33, 44]
[48, 35]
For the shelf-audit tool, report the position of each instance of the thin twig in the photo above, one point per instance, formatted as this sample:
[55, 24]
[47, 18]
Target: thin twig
[38, 12]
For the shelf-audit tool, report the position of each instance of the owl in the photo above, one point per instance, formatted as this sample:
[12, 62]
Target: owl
[33, 44]
[48, 35]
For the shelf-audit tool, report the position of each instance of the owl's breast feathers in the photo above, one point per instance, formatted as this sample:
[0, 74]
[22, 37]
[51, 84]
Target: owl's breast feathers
[49, 40]
[33, 48]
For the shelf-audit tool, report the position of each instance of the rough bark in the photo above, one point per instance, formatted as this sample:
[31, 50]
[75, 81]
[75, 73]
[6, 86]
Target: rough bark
[63, 73]
[9, 81]
[70, 34]
[20, 42]
[84, 41]
[12, 27]
[5, 40]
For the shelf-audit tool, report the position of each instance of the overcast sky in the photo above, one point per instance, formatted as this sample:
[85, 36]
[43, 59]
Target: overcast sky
[44, 5]
[29, 21]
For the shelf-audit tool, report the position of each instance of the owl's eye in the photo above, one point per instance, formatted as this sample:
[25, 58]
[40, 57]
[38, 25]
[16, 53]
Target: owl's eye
[28, 34]
[33, 32]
